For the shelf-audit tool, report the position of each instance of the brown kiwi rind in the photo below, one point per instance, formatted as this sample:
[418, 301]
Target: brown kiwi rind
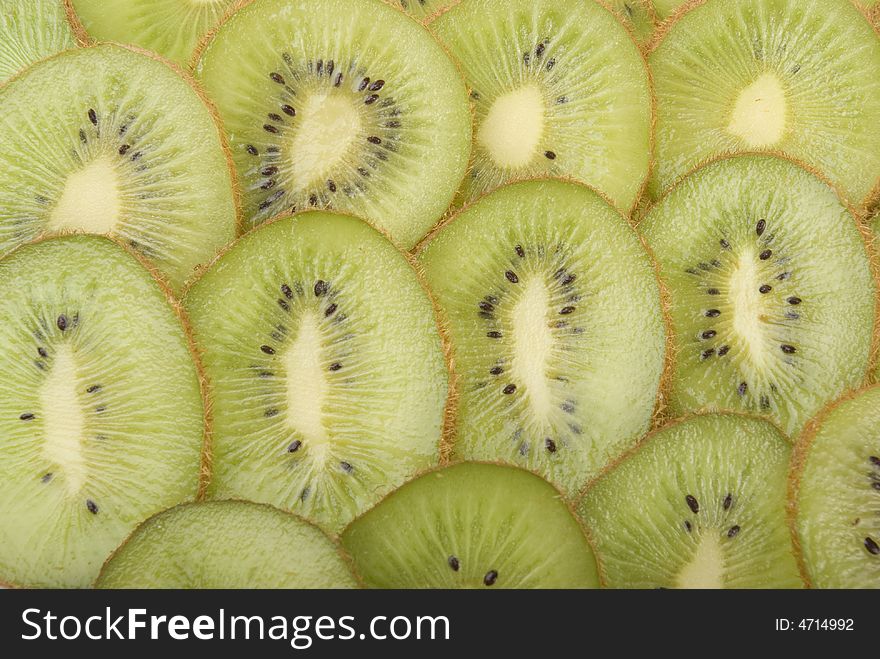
[79, 30]
[340, 550]
[871, 245]
[569, 504]
[801, 450]
[451, 408]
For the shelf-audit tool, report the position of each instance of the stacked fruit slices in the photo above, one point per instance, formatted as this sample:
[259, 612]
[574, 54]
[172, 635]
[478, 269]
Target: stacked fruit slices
[473, 412]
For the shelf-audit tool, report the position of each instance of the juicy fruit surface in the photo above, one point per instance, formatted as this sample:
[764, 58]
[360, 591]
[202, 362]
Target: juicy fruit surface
[171, 28]
[836, 495]
[343, 104]
[472, 526]
[328, 378]
[100, 408]
[226, 544]
[772, 297]
[421, 9]
[701, 504]
[29, 31]
[559, 89]
[783, 75]
[554, 314]
[107, 140]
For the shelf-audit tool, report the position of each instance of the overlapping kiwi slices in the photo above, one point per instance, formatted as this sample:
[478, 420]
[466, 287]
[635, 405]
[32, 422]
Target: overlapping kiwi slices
[29, 31]
[328, 377]
[554, 313]
[835, 494]
[101, 411]
[472, 526]
[788, 76]
[560, 89]
[346, 105]
[171, 28]
[226, 544]
[772, 294]
[109, 140]
[700, 504]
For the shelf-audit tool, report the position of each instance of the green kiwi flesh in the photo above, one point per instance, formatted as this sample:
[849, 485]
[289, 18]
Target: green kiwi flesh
[101, 411]
[783, 76]
[666, 8]
[328, 377]
[29, 31]
[554, 313]
[637, 15]
[836, 495]
[108, 140]
[559, 89]
[340, 104]
[422, 10]
[772, 295]
[171, 28]
[226, 544]
[472, 526]
[700, 504]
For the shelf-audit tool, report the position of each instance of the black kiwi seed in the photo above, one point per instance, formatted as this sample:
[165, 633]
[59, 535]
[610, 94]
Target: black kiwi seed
[27, 416]
[496, 370]
[712, 313]
[766, 254]
[688, 526]
[550, 445]
[520, 252]
[485, 306]
[346, 467]
[492, 576]
[270, 413]
[724, 244]
[277, 77]
[766, 288]
[550, 155]
[512, 277]
[269, 128]
[124, 149]
[713, 291]
[287, 291]
[567, 310]
[331, 185]
[794, 301]
[731, 533]
[728, 501]
[374, 140]
[709, 334]
[92, 506]
[376, 86]
[372, 98]
[93, 389]
[707, 353]
[875, 460]
[788, 350]
[82, 136]
[568, 407]
[692, 503]
[550, 64]
[759, 228]
[269, 171]
[294, 446]
[61, 322]
[742, 388]
[288, 110]
[509, 389]
[329, 311]
[269, 350]
[494, 334]
[872, 546]
[453, 562]
[41, 351]
[723, 350]
[335, 366]
[93, 117]
[46, 478]
[251, 149]
[275, 117]
[321, 288]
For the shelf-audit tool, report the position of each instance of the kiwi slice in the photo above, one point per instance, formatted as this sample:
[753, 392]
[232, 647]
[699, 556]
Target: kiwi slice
[101, 411]
[171, 28]
[29, 31]
[772, 295]
[472, 526]
[554, 313]
[328, 377]
[113, 141]
[226, 544]
[835, 494]
[783, 76]
[700, 504]
[559, 88]
[423, 10]
[348, 104]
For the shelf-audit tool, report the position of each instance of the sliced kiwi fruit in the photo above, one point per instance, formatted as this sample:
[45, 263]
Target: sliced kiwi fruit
[638, 15]
[559, 89]
[700, 504]
[772, 294]
[341, 104]
[226, 544]
[328, 377]
[835, 494]
[472, 526]
[171, 28]
[422, 10]
[554, 313]
[783, 76]
[31, 30]
[101, 410]
[113, 141]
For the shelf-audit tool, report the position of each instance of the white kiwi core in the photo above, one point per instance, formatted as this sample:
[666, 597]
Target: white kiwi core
[307, 386]
[90, 201]
[759, 114]
[706, 567]
[513, 127]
